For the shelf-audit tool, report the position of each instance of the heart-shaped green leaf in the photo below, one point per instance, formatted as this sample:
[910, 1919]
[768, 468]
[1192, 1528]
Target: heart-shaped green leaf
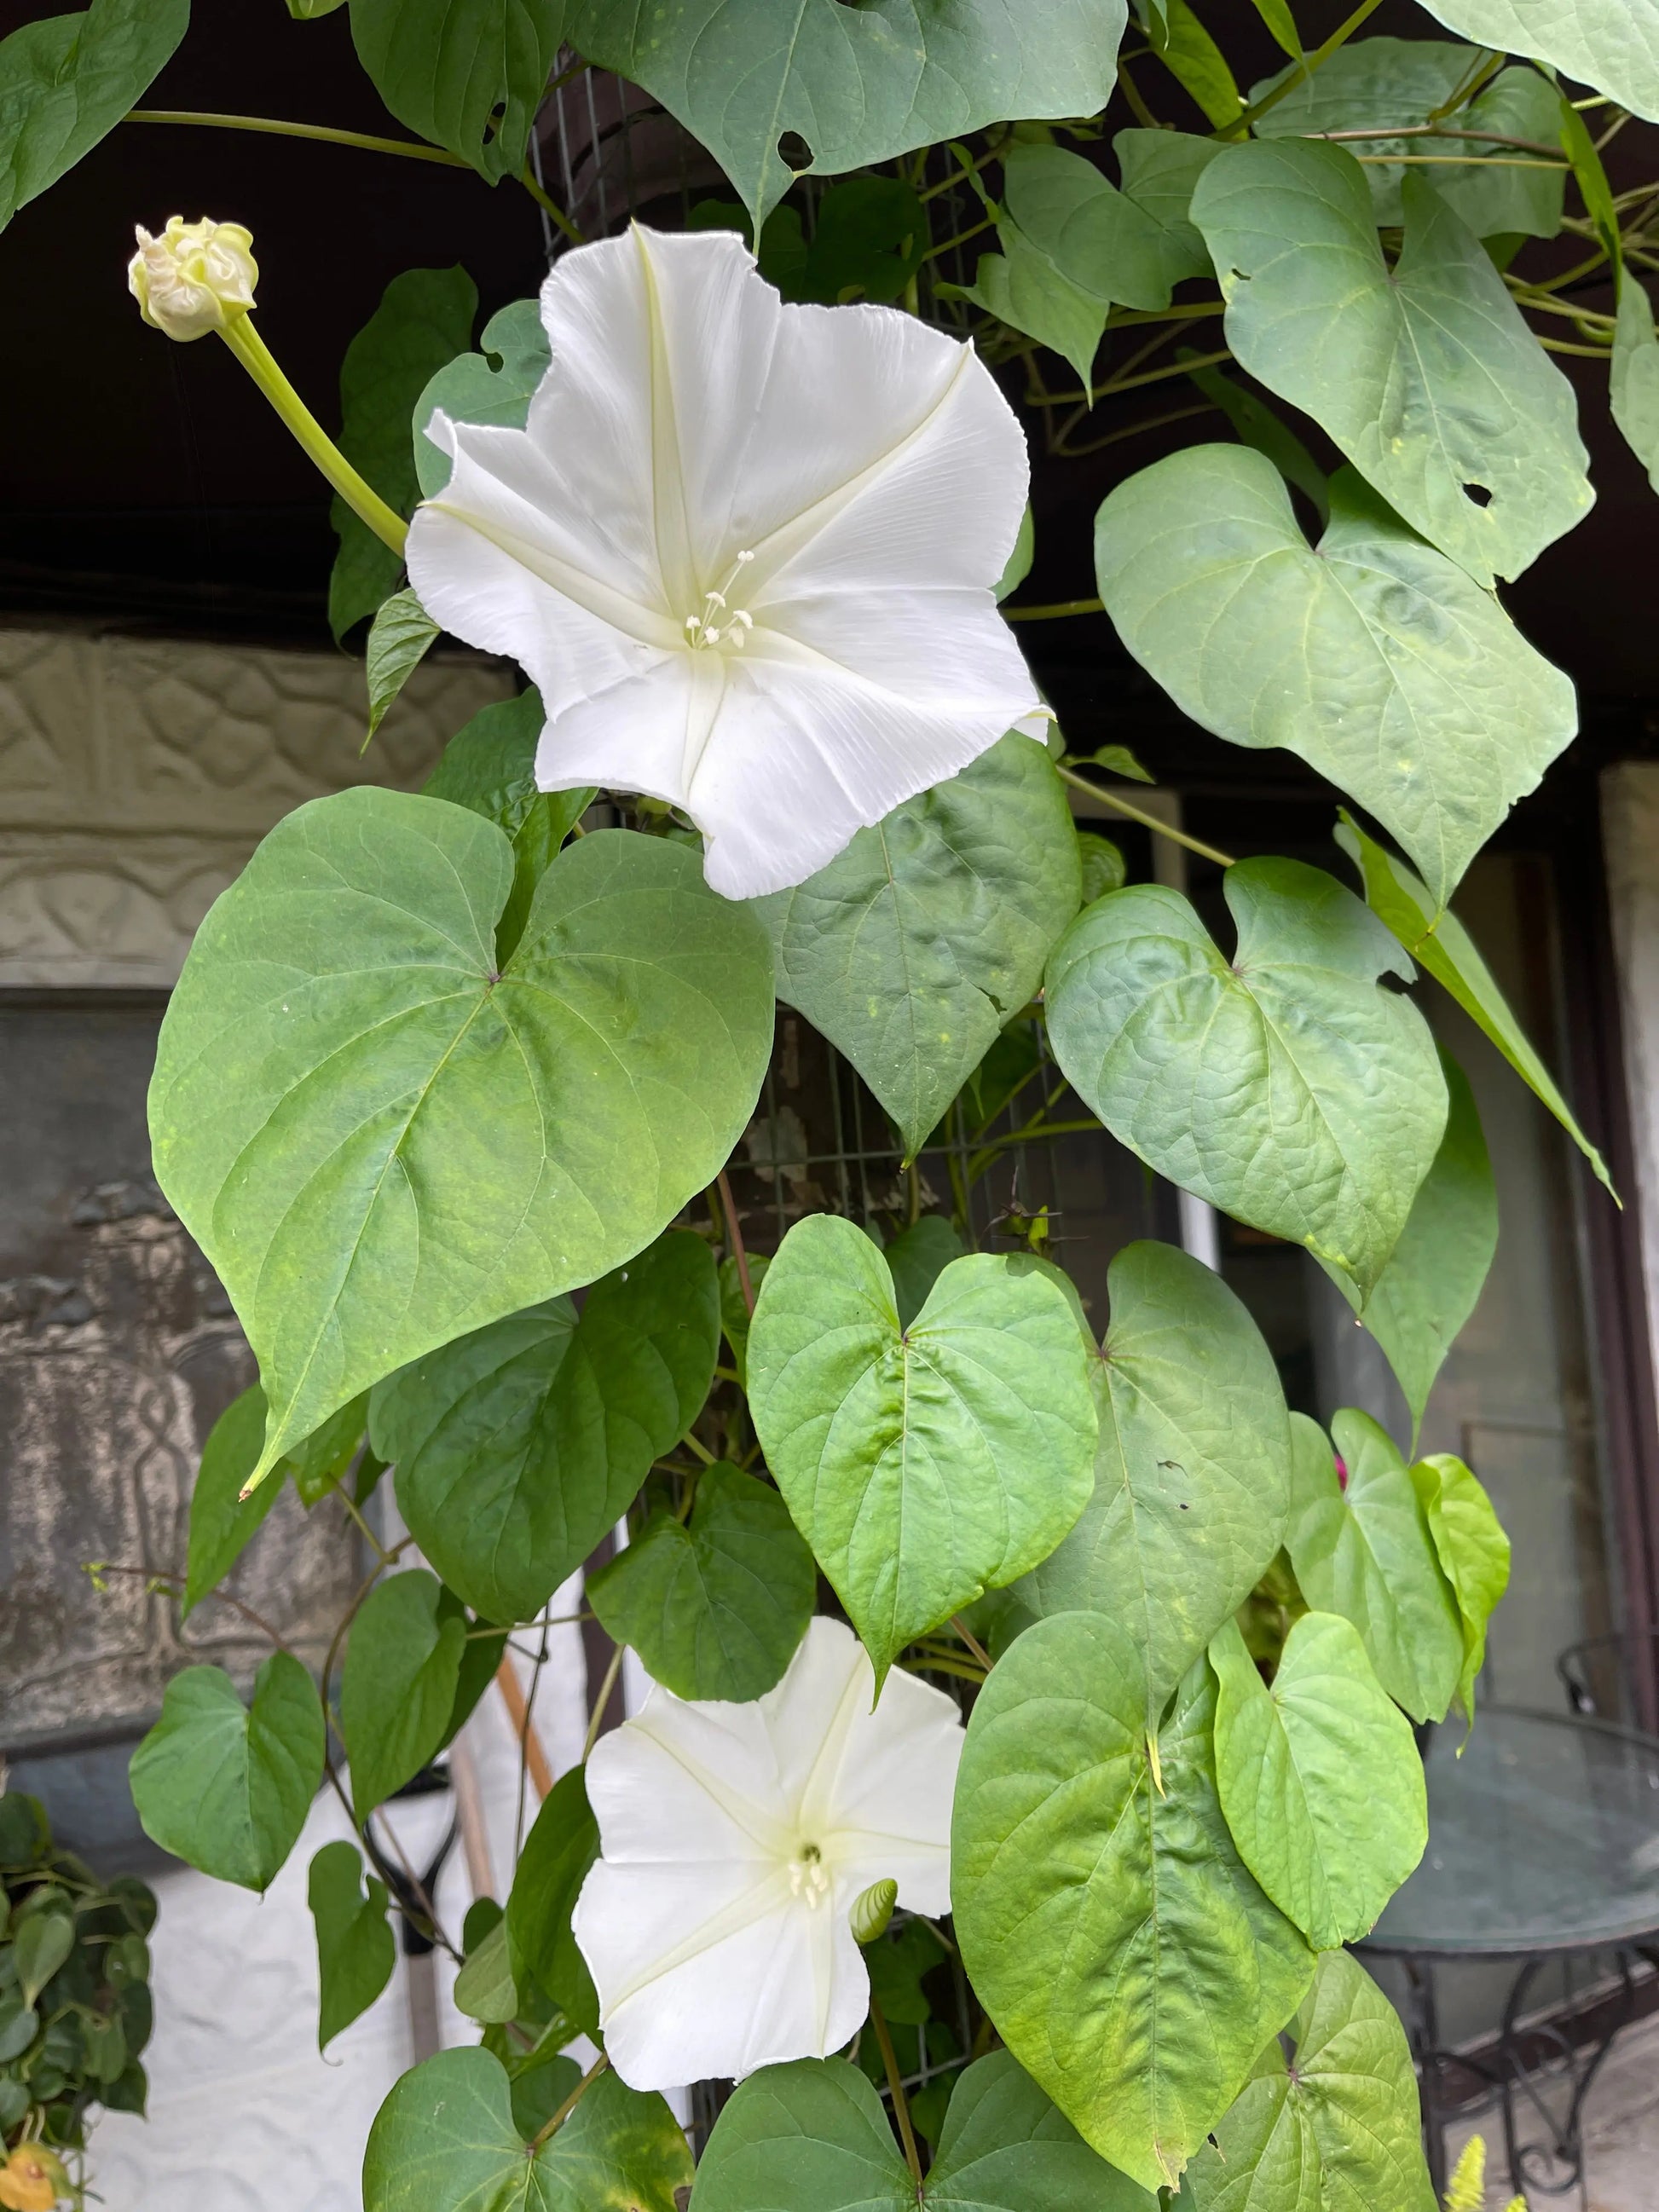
[1127, 1954]
[518, 1446]
[381, 1141]
[1425, 374]
[469, 74]
[858, 84]
[492, 385]
[445, 2140]
[1444, 947]
[1340, 2125]
[1285, 1086]
[813, 2138]
[1160, 170]
[1363, 1548]
[1320, 1777]
[486, 1988]
[402, 1665]
[561, 1847]
[1435, 1272]
[399, 638]
[714, 1609]
[226, 1786]
[356, 1949]
[67, 80]
[913, 946]
[1473, 1549]
[924, 1465]
[1193, 1471]
[223, 1523]
[40, 1944]
[1635, 384]
[1374, 658]
[916, 1258]
[1612, 45]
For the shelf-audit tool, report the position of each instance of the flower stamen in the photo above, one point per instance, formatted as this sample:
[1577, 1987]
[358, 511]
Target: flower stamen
[807, 1879]
[716, 623]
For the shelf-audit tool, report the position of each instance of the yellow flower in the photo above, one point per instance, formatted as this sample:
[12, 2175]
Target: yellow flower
[32, 2179]
[196, 278]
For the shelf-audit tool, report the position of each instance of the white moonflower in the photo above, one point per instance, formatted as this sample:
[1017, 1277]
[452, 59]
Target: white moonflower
[747, 551]
[735, 1840]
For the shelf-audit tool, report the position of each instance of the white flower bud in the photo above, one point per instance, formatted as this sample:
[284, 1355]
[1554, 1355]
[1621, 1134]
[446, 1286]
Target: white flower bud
[196, 278]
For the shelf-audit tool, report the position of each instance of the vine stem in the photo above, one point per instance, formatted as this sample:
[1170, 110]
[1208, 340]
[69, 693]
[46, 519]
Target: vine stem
[1054, 610]
[1147, 821]
[1321, 54]
[895, 2082]
[570, 2104]
[254, 1620]
[971, 1641]
[600, 1703]
[1444, 130]
[735, 1236]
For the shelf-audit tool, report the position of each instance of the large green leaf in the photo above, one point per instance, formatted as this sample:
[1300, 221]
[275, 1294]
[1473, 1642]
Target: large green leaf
[227, 1786]
[492, 385]
[518, 1446]
[1285, 1085]
[1193, 1471]
[223, 1523]
[561, 1845]
[1159, 169]
[858, 84]
[1373, 83]
[445, 2140]
[913, 946]
[381, 1140]
[1612, 45]
[1634, 391]
[1473, 1549]
[1127, 1954]
[813, 2137]
[356, 1949]
[466, 74]
[1363, 1549]
[1338, 2129]
[1442, 945]
[1256, 425]
[402, 1664]
[1320, 1777]
[1425, 374]
[424, 319]
[1435, 1272]
[714, 1609]
[65, 81]
[924, 1465]
[1374, 658]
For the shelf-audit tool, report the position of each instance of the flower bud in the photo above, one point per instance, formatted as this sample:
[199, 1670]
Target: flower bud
[196, 278]
[873, 1909]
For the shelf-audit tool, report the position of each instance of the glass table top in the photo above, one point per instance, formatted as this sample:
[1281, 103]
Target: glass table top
[1543, 1836]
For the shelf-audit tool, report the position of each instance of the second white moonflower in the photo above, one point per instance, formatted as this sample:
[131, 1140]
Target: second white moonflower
[747, 551]
[734, 1841]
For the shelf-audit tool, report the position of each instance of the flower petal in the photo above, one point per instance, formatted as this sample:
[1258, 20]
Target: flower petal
[685, 1783]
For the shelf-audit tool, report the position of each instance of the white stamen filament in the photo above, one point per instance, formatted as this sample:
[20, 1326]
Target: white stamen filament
[704, 629]
[807, 1879]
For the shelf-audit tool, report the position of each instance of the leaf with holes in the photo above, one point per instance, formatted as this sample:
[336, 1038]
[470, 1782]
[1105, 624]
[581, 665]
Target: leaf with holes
[518, 1446]
[65, 81]
[1338, 2126]
[913, 946]
[356, 1949]
[1125, 1954]
[495, 384]
[714, 1609]
[1425, 374]
[1361, 1547]
[924, 1465]
[1285, 1085]
[1374, 658]
[381, 1141]
[1474, 1553]
[469, 74]
[857, 84]
[1193, 1471]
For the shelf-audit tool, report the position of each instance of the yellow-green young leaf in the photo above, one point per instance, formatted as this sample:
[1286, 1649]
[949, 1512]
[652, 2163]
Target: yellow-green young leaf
[1473, 1549]
[381, 1141]
[814, 2136]
[858, 85]
[1612, 45]
[466, 74]
[926, 1464]
[518, 1446]
[1194, 60]
[714, 1609]
[65, 81]
[445, 2137]
[1374, 658]
[1371, 83]
[1285, 1085]
[492, 385]
[1426, 375]
[1466, 2191]
[1435, 1272]
[913, 946]
[224, 1786]
[1363, 1548]
[1635, 387]
[561, 1847]
[1128, 1956]
[1339, 2124]
[1320, 1777]
[399, 638]
[1442, 945]
[1192, 1474]
[402, 1664]
[356, 1949]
